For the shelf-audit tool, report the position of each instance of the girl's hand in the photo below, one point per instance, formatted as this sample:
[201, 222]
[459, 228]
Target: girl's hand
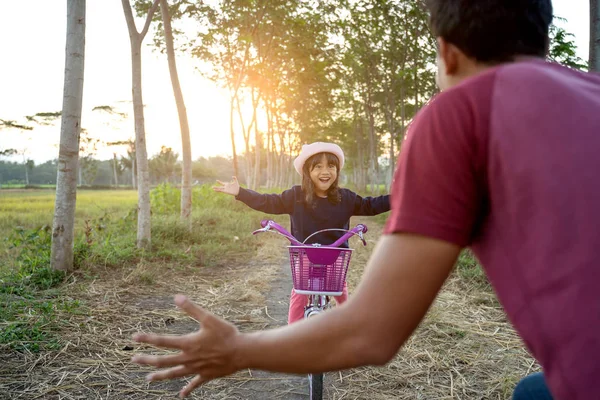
[232, 188]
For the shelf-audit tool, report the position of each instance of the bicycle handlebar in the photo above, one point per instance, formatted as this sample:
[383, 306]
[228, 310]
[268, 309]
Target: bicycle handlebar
[267, 225]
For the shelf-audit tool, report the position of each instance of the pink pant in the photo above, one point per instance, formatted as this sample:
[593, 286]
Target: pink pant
[298, 302]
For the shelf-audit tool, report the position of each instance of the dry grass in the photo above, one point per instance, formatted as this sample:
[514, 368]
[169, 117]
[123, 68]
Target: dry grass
[94, 362]
[464, 349]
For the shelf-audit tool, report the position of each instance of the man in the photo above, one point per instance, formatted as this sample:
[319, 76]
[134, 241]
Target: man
[505, 161]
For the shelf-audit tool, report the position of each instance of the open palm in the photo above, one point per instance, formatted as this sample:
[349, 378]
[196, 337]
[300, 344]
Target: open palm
[232, 188]
[207, 354]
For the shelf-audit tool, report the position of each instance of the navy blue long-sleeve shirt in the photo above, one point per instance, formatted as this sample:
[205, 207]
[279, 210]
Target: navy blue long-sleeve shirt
[306, 220]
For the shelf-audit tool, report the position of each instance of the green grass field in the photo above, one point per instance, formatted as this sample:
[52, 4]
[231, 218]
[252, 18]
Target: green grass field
[34, 208]
[105, 239]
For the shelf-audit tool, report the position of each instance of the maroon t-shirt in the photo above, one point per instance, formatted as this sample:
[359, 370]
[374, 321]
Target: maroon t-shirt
[508, 163]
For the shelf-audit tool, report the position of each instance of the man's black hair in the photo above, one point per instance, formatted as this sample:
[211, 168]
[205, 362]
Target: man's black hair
[493, 31]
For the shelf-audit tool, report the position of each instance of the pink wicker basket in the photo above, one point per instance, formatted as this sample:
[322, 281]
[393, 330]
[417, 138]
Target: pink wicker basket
[319, 270]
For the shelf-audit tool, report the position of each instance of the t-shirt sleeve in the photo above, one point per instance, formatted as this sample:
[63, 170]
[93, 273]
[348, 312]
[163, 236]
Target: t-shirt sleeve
[437, 184]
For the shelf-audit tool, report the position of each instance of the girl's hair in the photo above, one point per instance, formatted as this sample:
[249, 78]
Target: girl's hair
[308, 187]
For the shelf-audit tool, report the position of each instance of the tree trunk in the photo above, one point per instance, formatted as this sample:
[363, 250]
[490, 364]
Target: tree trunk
[143, 175]
[68, 155]
[247, 133]
[133, 175]
[257, 142]
[257, 164]
[236, 170]
[269, 146]
[391, 120]
[186, 147]
[26, 174]
[115, 169]
[358, 131]
[594, 60]
[372, 150]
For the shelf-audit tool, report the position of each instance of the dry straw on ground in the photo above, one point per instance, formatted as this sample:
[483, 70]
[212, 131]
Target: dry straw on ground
[465, 349]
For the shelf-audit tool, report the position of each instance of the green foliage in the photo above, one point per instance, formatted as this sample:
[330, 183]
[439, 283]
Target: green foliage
[563, 49]
[27, 303]
[163, 166]
[165, 199]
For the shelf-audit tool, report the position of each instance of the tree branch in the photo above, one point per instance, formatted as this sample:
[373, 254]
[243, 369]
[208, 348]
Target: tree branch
[149, 19]
[129, 18]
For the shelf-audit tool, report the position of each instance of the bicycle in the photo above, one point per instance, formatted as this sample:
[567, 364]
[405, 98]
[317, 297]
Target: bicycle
[318, 271]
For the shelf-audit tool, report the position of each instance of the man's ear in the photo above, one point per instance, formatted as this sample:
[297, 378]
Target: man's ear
[449, 55]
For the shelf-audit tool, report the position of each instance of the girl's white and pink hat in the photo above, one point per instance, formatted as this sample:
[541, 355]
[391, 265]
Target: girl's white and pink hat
[309, 150]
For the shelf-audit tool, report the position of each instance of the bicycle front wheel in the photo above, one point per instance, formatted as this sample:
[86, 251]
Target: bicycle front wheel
[315, 383]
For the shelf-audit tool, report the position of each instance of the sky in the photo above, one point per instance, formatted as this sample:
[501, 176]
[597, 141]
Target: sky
[33, 36]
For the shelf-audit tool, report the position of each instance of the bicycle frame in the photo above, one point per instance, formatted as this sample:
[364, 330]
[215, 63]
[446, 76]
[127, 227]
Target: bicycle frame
[317, 255]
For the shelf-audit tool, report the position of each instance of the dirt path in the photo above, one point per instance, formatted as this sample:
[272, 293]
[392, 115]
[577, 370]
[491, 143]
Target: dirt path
[265, 385]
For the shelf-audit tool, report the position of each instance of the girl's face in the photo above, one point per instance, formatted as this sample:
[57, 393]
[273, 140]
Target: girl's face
[323, 174]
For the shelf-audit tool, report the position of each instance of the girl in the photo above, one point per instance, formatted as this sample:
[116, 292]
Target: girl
[318, 204]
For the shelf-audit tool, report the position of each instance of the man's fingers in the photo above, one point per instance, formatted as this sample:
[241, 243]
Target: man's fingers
[193, 310]
[190, 387]
[170, 360]
[220, 183]
[169, 342]
[171, 373]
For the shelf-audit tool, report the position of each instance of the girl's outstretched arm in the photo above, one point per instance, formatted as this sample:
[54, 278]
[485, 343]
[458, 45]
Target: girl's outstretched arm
[371, 205]
[268, 203]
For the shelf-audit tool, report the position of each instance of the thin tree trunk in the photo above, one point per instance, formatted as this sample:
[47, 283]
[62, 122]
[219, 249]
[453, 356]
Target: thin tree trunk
[68, 155]
[115, 169]
[269, 146]
[257, 145]
[358, 132]
[391, 121]
[236, 170]
[416, 71]
[594, 60]
[186, 147]
[402, 115]
[26, 174]
[257, 154]
[143, 175]
[133, 174]
[372, 151]
[247, 159]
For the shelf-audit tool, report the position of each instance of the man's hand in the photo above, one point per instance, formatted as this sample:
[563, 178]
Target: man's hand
[232, 188]
[208, 353]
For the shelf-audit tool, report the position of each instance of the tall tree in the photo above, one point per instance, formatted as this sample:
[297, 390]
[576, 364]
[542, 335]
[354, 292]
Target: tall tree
[186, 147]
[594, 61]
[136, 38]
[66, 185]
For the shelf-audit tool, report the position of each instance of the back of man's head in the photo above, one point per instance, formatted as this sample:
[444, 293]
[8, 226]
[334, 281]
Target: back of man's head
[493, 31]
